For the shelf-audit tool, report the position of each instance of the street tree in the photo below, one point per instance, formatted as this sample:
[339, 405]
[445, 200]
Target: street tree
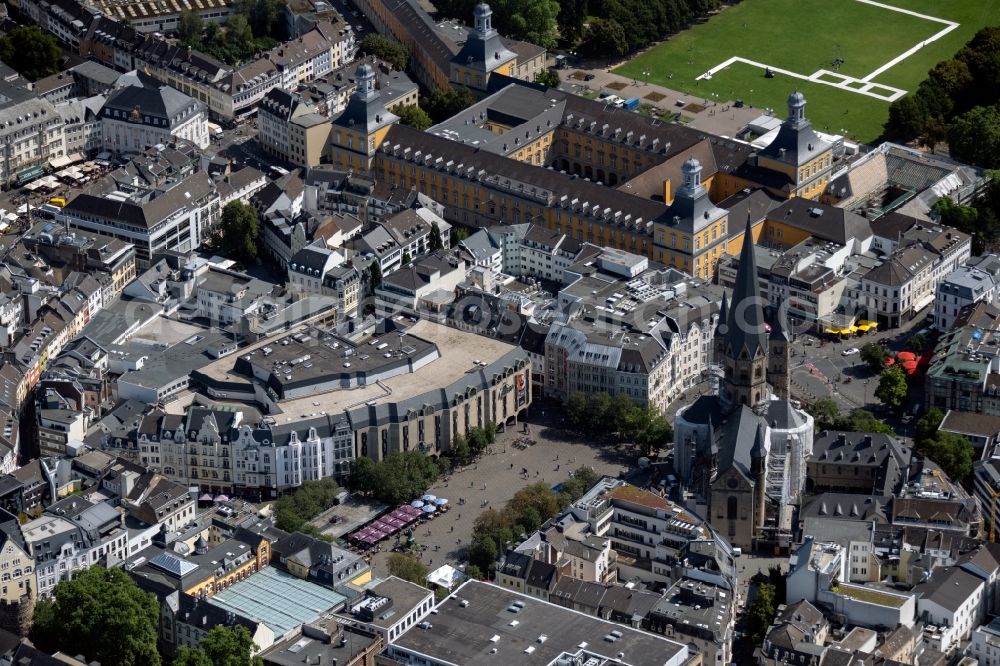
[101, 614]
[825, 413]
[483, 553]
[861, 420]
[927, 426]
[408, 568]
[240, 231]
[460, 449]
[874, 355]
[892, 388]
[760, 614]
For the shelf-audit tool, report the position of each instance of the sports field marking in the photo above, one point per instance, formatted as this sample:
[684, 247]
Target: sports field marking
[860, 86]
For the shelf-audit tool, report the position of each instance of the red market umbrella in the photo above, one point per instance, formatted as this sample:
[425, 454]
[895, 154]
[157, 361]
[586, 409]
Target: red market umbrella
[889, 362]
[910, 366]
[906, 356]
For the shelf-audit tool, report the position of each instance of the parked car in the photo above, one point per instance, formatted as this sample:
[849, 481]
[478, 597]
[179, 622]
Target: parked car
[850, 352]
[589, 77]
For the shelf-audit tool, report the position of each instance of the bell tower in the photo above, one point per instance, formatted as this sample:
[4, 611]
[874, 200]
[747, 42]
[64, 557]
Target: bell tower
[779, 355]
[744, 344]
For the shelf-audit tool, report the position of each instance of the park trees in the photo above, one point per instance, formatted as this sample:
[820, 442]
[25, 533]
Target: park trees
[571, 18]
[974, 137]
[240, 231]
[604, 37]
[222, 646]
[33, 53]
[530, 20]
[101, 614]
[385, 49]
[957, 100]
[892, 389]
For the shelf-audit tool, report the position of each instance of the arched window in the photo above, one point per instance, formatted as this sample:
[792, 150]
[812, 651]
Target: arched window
[731, 504]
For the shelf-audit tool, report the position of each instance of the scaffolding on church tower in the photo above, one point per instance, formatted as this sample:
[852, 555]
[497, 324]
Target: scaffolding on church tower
[777, 476]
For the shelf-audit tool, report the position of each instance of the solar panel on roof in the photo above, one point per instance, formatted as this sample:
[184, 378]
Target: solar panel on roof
[172, 565]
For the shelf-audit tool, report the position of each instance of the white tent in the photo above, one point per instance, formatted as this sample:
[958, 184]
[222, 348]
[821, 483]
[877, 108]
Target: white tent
[445, 576]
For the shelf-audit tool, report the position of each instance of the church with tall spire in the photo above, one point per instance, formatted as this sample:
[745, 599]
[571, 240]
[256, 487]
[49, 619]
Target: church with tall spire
[741, 452]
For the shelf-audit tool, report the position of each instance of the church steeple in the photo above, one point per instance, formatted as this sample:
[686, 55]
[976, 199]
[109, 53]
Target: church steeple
[745, 325]
[743, 350]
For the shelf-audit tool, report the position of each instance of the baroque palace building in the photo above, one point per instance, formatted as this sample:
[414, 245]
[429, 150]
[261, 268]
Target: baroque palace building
[596, 173]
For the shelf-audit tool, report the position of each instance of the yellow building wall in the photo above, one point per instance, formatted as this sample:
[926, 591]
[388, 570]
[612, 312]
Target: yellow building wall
[212, 585]
[296, 569]
[784, 234]
[735, 244]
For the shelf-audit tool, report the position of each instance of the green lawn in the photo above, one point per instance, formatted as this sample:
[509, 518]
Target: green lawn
[804, 36]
